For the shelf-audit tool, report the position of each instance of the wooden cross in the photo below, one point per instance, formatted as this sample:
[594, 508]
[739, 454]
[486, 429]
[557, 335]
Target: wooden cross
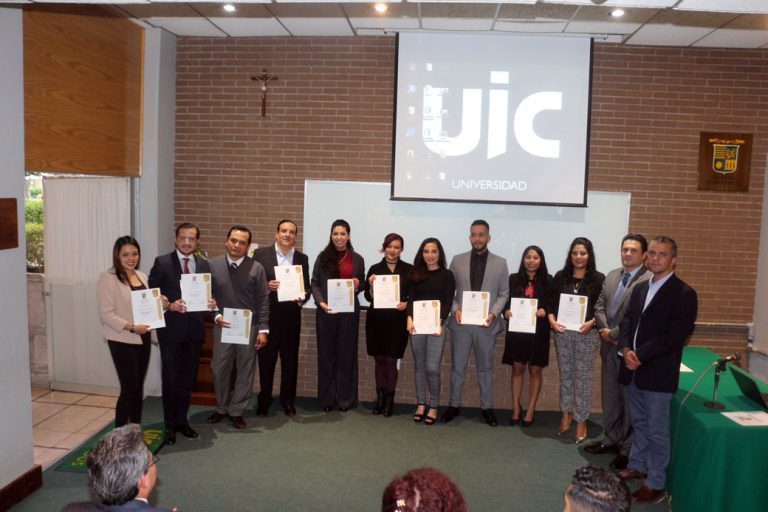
[264, 79]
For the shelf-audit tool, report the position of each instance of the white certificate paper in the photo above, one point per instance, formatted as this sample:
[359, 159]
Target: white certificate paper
[196, 291]
[572, 311]
[341, 295]
[523, 317]
[148, 308]
[426, 316]
[239, 331]
[291, 279]
[386, 292]
[748, 418]
[474, 308]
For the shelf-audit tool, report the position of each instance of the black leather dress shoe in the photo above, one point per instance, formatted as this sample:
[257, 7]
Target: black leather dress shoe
[450, 414]
[170, 436]
[619, 462]
[599, 448]
[216, 417]
[187, 431]
[238, 422]
[489, 417]
[262, 409]
[289, 409]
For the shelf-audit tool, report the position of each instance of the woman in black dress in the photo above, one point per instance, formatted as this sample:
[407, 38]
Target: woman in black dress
[385, 332]
[532, 281]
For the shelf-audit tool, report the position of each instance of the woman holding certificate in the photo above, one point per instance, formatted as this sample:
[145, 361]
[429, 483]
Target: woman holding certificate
[430, 295]
[527, 340]
[129, 342]
[575, 291]
[337, 277]
[386, 288]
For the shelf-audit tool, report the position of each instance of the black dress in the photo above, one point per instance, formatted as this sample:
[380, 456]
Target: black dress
[521, 347]
[385, 329]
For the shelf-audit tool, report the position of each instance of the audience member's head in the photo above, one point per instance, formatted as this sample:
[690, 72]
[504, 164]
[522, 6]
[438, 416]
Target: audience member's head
[423, 490]
[121, 467]
[596, 490]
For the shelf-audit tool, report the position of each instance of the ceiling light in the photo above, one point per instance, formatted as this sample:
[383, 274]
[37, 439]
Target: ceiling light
[380, 8]
[228, 7]
[617, 13]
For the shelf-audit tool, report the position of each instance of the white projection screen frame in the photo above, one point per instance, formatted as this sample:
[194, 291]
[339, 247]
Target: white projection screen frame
[371, 215]
[492, 118]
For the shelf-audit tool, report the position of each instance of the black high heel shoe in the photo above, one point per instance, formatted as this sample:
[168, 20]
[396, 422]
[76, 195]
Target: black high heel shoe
[528, 423]
[513, 421]
[416, 416]
[429, 420]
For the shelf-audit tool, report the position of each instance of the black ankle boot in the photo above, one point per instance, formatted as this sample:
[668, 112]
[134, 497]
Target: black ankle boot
[379, 407]
[389, 403]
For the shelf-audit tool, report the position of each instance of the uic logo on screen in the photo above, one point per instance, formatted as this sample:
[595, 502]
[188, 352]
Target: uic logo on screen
[498, 119]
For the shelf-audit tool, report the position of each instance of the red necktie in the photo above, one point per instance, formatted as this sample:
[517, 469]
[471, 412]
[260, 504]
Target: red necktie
[186, 265]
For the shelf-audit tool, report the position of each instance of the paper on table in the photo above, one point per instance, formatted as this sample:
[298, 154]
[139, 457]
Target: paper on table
[685, 369]
[196, 291]
[147, 308]
[239, 331]
[572, 311]
[523, 317]
[748, 418]
[291, 279]
[474, 308]
[341, 295]
[426, 316]
[386, 292]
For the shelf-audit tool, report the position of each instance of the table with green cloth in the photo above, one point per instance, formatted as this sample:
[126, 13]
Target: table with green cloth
[716, 464]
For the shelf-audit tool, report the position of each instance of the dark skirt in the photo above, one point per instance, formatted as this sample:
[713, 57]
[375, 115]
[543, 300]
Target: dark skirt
[528, 348]
[385, 333]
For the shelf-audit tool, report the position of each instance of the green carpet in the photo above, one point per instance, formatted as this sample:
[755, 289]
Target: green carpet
[342, 462]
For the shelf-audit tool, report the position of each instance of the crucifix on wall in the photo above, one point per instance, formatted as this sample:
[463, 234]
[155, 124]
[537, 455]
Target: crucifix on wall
[264, 79]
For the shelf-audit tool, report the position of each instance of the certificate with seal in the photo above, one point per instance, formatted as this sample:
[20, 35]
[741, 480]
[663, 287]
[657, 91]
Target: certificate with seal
[196, 291]
[341, 295]
[523, 317]
[474, 307]
[291, 279]
[572, 311]
[386, 292]
[426, 316]
[239, 330]
[147, 308]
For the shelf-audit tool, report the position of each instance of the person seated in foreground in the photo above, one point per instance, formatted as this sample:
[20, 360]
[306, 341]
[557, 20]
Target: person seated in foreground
[596, 490]
[423, 490]
[122, 473]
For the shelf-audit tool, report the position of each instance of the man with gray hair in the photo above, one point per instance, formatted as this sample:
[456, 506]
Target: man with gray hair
[122, 473]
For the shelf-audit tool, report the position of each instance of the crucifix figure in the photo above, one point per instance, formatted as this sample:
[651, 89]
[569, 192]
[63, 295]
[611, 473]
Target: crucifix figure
[264, 79]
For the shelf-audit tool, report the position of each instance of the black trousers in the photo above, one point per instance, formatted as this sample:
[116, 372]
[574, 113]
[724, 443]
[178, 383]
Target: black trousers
[337, 358]
[179, 369]
[131, 362]
[283, 342]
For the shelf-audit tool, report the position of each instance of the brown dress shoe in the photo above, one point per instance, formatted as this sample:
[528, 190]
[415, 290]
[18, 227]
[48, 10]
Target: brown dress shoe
[631, 474]
[238, 422]
[648, 495]
[216, 417]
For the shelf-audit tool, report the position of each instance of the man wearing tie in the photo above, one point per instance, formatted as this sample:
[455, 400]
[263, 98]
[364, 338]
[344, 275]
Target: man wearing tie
[284, 320]
[658, 321]
[238, 283]
[476, 270]
[609, 310]
[183, 334]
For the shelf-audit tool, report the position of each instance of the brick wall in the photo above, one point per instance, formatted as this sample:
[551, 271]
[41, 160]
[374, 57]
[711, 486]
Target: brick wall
[329, 116]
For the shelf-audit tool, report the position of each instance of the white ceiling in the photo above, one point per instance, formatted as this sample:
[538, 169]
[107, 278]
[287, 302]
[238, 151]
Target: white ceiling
[708, 23]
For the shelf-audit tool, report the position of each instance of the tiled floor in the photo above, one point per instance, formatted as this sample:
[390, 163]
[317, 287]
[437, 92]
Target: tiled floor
[62, 420]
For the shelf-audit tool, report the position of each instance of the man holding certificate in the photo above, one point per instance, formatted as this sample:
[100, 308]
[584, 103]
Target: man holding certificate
[288, 280]
[183, 335]
[482, 290]
[242, 325]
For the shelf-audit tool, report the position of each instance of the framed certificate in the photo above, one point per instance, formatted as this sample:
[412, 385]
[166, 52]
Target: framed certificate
[291, 279]
[572, 311]
[341, 295]
[426, 316]
[239, 330]
[147, 308]
[196, 291]
[474, 307]
[523, 317]
[386, 292]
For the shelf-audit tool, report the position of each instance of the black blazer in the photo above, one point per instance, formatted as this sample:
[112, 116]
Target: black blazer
[166, 275]
[267, 256]
[664, 327]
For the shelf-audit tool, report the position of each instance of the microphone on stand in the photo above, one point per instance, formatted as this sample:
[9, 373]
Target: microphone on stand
[719, 367]
[728, 359]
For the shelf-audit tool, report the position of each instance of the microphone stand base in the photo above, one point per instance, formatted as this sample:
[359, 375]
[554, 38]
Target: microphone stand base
[714, 405]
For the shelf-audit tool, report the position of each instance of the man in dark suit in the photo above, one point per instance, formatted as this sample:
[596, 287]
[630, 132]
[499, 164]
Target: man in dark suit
[238, 283]
[122, 473]
[284, 320]
[182, 337]
[659, 320]
[609, 310]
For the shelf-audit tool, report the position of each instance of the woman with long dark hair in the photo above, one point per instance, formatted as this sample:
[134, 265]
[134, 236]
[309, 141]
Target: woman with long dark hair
[430, 280]
[576, 350]
[532, 281]
[385, 329]
[337, 332]
[129, 342]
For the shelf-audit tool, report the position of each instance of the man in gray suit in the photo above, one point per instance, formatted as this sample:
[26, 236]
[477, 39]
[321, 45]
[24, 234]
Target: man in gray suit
[476, 270]
[239, 282]
[609, 310]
